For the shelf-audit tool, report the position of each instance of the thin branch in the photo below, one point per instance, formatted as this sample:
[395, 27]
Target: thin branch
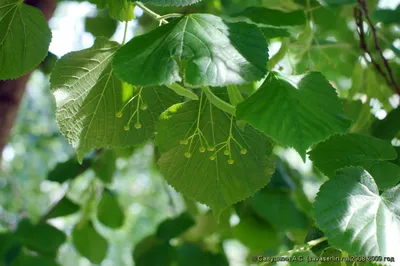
[363, 43]
[151, 13]
[358, 14]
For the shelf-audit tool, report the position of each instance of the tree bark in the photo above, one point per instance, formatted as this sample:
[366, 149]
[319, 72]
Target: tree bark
[12, 91]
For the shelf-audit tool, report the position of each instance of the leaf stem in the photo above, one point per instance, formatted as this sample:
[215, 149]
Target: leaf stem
[125, 31]
[235, 97]
[172, 15]
[182, 91]
[216, 101]
[151, 13]
[279, 55]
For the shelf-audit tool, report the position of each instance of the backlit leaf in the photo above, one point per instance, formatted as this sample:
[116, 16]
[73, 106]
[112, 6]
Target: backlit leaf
[355, 217]
[199, 49]
[194, 162]
[89, 101]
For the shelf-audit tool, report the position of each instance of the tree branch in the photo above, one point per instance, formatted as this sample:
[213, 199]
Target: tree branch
[358, 14]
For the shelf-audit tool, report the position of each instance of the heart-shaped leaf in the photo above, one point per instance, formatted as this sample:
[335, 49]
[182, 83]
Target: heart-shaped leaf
[24, 38]
[372, 154]
[205, 156]
[295, 115]
[201, 49]
[90, 99]
[355, 218]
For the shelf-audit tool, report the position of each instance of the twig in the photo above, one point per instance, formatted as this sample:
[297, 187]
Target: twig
[151, 13]
[363, 43]
[358, 14]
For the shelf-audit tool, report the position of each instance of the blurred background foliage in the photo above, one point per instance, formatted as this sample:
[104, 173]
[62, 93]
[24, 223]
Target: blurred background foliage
[134, 214]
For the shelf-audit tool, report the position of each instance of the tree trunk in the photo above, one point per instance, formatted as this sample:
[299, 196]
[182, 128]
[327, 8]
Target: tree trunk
[12, 91]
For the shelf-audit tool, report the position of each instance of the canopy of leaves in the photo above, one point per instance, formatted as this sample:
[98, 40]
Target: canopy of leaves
[197, 91]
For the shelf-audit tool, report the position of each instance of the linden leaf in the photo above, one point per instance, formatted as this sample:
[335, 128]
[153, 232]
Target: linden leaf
[90, 109]
[355, 218]
[372, 154]
[203, 161]
[295, 115]
[24, 38]
[201, 49]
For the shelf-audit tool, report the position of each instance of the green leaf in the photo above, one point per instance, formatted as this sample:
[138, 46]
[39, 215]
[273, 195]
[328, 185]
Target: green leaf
[389, 127]
[273, 17]
[89, 243]
[274, 32]
[152, 251]
[42, 238]
[170, 2]
[89, 98]
[69, 169]
[371, 153]
[48, 64]
[280, 210]
[24, 38]
[105, 166]
[109, 211]
[173, 227]
[201, 49]
[208, 175]
[255, 234]
[121, 10]
[387, 16]
[355, 218]
[190, 254]
[64, 207]
[295, 115]
[28, 260]
[101, 25]
[8, 244]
